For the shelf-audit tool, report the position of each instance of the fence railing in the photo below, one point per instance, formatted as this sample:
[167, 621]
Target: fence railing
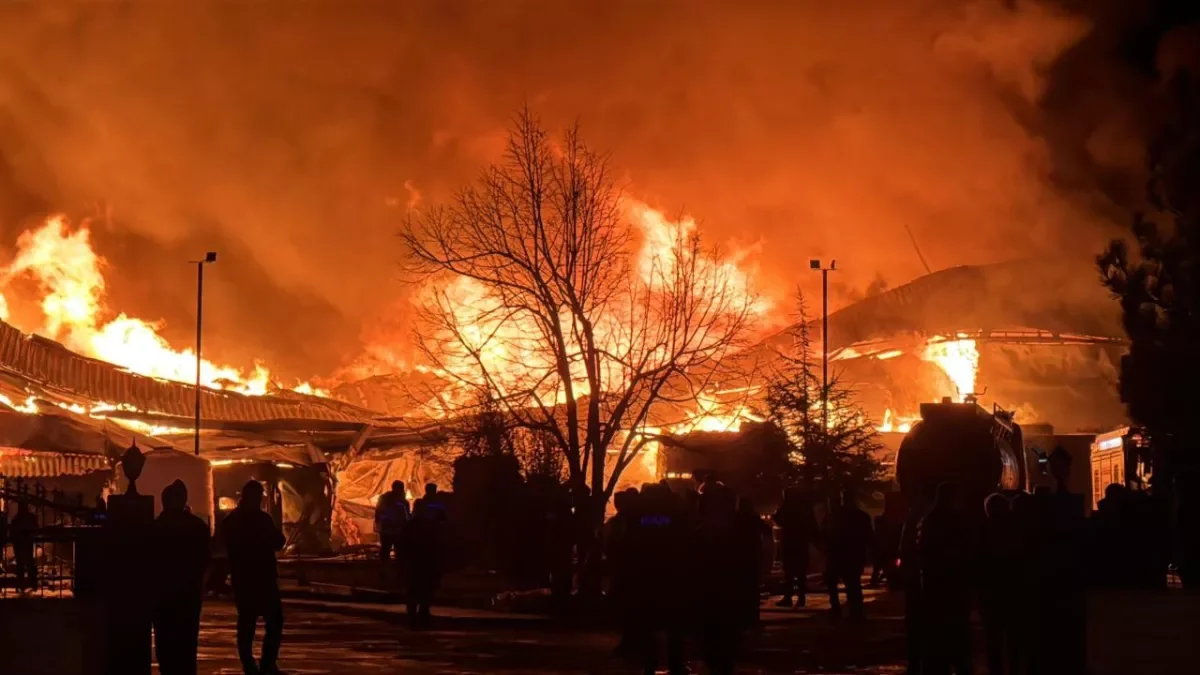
[43, 536]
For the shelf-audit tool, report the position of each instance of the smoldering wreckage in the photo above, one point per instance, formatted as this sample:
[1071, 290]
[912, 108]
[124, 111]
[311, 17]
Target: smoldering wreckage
[960, 335]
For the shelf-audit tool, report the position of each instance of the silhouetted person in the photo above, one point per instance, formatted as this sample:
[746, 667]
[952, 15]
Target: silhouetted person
[689, 508]
[943, 549]
[720, 565]
[621, 564]
[752, 536]
[888, 526]
[1029, 595]
[584, 533]
[1064, 605]
[558, 526]
[432, 500]
[391, 515]
[848, 539]
[798, 530]
[1111, 556]
[99, 512]
[659, 578]
[180, 545]
[422, 550]
[251, 540]
[1150, 539]
[709, 481]
[999, 580]
[915, 620]
[24, 524]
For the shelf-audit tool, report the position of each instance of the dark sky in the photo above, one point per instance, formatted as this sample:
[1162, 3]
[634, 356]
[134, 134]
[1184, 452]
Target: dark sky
[291, 137]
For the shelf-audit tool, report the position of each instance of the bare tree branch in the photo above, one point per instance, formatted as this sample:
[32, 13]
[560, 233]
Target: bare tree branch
[539, 304]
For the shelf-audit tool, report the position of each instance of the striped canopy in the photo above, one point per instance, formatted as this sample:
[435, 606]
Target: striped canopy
[19, 463]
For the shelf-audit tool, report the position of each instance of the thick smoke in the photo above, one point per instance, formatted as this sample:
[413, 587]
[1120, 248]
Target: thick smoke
[293, 137]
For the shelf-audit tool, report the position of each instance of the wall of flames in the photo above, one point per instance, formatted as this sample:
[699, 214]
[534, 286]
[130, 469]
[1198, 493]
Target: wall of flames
[473, 332]
[60, 260]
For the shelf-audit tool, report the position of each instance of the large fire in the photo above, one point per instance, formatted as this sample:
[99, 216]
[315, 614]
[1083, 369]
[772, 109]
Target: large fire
[476, 333]
[60, 259]
[959, 359]
[68, 271]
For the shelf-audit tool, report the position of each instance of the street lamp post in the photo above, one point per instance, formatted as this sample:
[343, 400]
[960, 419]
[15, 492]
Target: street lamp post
[815, 264]
[210, 257]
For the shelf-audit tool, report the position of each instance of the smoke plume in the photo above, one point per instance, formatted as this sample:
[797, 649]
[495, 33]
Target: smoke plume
[293, 138]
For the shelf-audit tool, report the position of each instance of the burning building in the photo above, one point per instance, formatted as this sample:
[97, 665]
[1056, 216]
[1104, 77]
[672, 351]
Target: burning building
[989, 329]
[995, 330]
[68, 417]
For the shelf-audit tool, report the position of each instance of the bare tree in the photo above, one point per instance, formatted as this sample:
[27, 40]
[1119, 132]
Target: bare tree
[539, 300]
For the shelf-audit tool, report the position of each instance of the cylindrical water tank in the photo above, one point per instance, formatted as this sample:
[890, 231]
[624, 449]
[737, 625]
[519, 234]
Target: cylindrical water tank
[963, 444]
[163, 467]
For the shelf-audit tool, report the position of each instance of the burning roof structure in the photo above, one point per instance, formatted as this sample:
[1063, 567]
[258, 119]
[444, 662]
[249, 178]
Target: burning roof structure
[44, 384]
[1051, 355]
[1029, 332]
[1044, 300]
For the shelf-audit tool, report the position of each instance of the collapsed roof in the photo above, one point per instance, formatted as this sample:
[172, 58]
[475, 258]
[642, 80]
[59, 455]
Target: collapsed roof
[55, 370]
[64, 402]
[1053, 297]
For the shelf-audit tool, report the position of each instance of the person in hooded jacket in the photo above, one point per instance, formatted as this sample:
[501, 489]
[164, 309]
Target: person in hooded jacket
[181, 547]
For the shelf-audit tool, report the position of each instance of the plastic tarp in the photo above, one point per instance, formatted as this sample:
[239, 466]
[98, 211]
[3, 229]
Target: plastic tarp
[360, 484]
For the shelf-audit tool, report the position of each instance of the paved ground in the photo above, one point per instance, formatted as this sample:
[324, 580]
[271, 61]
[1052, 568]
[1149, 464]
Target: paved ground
[318, 641]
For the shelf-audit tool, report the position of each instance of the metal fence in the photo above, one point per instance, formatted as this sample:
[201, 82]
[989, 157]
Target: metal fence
[41, 537]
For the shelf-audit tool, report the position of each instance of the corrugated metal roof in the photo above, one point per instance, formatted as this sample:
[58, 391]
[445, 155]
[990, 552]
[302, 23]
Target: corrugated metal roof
[17, 463]
[56, 368]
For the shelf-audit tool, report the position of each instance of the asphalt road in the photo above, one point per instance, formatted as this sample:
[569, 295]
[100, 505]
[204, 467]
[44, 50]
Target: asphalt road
[320, 642]
[315, 641]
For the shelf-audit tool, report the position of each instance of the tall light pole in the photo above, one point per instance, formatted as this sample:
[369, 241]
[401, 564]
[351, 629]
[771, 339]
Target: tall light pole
[210, 257]
[815, 264]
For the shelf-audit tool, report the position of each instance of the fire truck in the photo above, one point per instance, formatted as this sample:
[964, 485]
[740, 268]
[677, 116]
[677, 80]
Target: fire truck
[979, 451]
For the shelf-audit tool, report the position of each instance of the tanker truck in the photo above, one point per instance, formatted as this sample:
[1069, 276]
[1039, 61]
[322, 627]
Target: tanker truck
[979, 451]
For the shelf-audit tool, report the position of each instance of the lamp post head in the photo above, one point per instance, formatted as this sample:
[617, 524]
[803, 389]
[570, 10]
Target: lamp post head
[814, 264]
[210, 257]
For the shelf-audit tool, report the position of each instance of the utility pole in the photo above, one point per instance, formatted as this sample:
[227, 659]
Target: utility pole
[210, 257]
[816, 265]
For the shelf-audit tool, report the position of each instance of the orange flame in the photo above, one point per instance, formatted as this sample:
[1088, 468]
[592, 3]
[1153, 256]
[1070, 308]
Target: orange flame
[959, 359]
[896, 423]
[69, 272]
[510, 346]
[711, 414]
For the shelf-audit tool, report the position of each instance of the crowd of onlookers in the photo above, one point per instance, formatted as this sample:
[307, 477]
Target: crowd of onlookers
[692, 565]
[694, 562]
